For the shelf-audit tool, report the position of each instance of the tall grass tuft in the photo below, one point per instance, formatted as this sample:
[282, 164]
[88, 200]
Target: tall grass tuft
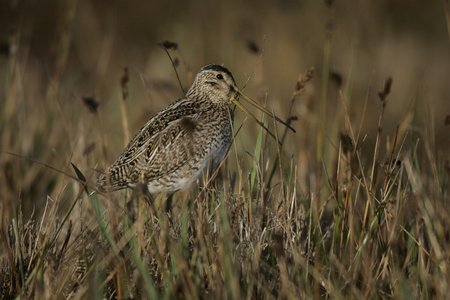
[354, 205]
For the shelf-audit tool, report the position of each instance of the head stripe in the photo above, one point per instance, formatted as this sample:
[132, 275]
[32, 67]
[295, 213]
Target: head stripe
[218, 68]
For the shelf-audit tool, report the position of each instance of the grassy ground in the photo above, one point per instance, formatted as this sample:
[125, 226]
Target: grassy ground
[353, 205]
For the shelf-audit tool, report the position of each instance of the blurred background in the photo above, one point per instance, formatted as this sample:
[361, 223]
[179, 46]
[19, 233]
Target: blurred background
[54, 54]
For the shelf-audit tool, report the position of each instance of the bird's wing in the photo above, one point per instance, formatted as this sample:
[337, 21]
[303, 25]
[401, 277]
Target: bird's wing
[162, 131]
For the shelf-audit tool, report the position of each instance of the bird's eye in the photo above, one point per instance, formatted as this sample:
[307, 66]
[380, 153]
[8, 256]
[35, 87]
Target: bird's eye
[219, 76]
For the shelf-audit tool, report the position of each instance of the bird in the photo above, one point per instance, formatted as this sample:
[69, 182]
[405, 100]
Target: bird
[170, 152]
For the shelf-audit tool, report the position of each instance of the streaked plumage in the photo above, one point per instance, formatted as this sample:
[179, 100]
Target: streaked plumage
[172, 149]
[170, 152]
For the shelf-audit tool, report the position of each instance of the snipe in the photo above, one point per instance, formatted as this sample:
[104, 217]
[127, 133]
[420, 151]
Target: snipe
[170, 152]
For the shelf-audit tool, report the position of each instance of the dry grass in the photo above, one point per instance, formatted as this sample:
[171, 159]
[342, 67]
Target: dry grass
[354, 205]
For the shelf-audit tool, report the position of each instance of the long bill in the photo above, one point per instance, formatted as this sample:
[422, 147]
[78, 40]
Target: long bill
[258, 106]
[245, 110]
[233, 100]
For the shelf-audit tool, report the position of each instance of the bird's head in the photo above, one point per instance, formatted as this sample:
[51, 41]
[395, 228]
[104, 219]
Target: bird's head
[213, 83]
[216, 84]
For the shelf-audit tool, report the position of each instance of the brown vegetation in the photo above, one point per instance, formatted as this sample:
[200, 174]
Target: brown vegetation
[353, 205]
